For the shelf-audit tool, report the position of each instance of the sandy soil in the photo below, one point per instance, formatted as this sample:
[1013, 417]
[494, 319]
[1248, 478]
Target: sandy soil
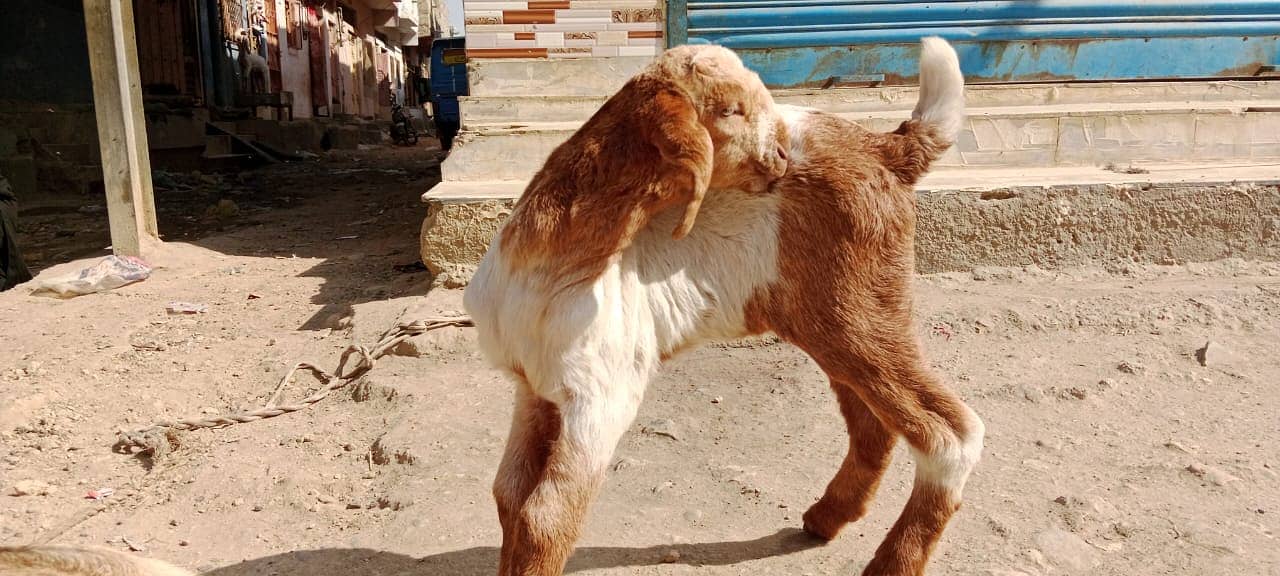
[1111, 449]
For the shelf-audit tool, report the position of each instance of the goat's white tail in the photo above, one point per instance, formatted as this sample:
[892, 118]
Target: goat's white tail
[941, 102]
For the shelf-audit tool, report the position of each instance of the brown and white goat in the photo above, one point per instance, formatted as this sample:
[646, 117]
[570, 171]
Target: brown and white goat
[73, 561]
[584, 293]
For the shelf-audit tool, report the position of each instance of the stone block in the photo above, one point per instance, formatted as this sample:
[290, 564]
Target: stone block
[455, 236]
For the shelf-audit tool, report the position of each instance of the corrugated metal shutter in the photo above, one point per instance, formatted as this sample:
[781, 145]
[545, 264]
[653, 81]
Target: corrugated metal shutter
[812, 42]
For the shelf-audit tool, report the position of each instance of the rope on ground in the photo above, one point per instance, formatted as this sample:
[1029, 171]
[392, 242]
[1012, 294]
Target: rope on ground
[160, 436]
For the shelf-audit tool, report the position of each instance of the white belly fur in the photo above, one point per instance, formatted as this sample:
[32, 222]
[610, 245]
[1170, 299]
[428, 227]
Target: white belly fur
[657, 296]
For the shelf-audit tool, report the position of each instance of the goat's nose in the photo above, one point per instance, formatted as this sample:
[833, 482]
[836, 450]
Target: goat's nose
[781, 152]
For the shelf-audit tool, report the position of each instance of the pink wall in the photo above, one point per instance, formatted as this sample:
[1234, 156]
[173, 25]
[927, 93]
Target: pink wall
[295, 63]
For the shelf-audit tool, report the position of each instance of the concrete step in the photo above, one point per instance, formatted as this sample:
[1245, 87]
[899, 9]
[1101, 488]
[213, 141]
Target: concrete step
[216, 145]
[549, 107]
[1071, 134]
[972, 217]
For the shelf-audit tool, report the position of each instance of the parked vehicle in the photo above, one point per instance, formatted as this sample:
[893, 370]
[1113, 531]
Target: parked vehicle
[448, 82]
[402, 131]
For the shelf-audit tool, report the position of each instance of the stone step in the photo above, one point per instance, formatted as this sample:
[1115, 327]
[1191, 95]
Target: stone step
[1071, 134]
[217, 145]
[546, 107]
[972, 217]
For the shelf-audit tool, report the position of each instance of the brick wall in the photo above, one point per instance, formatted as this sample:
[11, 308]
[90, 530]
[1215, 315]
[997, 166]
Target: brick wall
[563, 28]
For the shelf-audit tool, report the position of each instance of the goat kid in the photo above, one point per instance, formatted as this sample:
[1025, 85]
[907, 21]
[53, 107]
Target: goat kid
[254, 73]
[554, 296]
[581, 303]
[72, 561]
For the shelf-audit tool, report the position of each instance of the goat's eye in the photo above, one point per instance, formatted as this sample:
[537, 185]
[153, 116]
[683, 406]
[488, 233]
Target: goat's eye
[728, 111]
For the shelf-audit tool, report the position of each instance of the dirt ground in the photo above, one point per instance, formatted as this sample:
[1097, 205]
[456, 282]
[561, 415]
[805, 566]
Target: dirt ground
[1111, 448]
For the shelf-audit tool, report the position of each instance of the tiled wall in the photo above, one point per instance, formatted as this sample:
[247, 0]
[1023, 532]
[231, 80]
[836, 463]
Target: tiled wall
[563, 28]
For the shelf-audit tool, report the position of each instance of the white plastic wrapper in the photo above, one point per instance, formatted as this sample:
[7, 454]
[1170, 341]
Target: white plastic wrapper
[110, 273]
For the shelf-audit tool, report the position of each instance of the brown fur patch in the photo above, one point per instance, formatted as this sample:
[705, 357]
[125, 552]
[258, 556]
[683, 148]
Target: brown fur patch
[845, 262]
[648, 149]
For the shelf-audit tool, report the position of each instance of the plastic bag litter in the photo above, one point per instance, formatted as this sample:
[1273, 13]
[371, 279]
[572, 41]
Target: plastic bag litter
[110, 273]
[186, 308]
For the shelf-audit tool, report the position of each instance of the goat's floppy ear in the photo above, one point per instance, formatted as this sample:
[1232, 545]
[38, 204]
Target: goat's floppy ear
[685, 145]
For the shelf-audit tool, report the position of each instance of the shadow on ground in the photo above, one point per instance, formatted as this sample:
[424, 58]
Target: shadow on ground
[483, 560]
[360, 212]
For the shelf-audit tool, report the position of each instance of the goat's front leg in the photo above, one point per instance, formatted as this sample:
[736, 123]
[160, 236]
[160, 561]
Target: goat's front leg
[946, 439]
[535, 426]
[870, 448]
[880, 366]
[539, 535]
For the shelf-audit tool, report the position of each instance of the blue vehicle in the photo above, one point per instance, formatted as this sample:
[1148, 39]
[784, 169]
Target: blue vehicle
[448, 82]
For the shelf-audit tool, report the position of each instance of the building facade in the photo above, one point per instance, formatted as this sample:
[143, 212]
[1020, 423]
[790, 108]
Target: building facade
[326, 58]
[563, 28]
[332, 68]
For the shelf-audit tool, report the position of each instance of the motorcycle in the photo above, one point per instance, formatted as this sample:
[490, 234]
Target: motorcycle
[402, 131]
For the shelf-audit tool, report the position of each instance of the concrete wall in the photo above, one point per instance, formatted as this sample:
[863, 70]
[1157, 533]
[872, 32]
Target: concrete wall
[357, 65]
[563, 28]
[44, 56]
[295, 64]
[350, 50]
[366, 65]
[1046, 226]
[355, 73]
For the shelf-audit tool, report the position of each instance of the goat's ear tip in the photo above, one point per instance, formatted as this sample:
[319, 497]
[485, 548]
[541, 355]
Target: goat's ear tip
[704, 60]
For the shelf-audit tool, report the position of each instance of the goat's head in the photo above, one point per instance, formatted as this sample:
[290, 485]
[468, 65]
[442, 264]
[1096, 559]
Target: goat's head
[736, 110]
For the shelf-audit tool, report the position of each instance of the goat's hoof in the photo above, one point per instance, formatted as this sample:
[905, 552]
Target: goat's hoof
[821, 524]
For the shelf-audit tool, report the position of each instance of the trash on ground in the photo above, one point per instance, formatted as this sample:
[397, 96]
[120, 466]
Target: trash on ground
[108, 274]
[99, 494]
[186, 308]
[941, 329]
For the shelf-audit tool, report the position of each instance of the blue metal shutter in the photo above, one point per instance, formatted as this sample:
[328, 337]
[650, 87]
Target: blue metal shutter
[796, 43]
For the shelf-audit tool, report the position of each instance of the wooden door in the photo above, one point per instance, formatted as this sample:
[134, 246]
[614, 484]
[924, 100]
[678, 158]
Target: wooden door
[161, 55]
[319, 57]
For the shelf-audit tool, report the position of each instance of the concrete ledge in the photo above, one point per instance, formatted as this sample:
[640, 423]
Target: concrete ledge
[972, 218]
[540, 77]
[1029, 136]
[1074, 225]
[550, 106]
